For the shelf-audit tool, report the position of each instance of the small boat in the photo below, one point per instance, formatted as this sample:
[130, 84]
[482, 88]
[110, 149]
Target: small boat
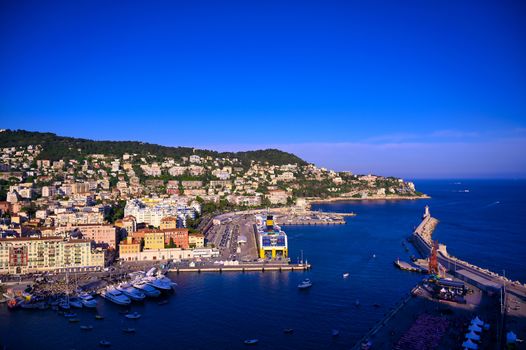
[73, 320]
[86, 328]
[128, 330]
[374, 256]
[99, 317]
[70, 314]
[288, 331]
[147, 289]
[87, 300]
[115, 296]
[163, 302]
[346, 274]
[64, 305]
[335, 332]
[305, 284]
[75, 302]
[251, 341]
[104, 344]
[133, 316]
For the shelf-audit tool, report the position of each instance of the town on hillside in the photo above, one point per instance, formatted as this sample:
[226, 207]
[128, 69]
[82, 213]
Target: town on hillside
[93, 209]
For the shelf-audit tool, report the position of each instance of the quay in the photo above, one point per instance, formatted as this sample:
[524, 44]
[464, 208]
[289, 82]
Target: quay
[402, 265]
[243, 268]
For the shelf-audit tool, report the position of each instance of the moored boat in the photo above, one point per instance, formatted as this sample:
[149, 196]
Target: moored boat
[160, 282]
[132, 293]
[251, 341]
[146, 289]
[115, 296]
[87, 300]
[75, 302]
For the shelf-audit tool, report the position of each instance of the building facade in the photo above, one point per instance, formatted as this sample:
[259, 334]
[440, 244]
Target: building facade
[30, 255]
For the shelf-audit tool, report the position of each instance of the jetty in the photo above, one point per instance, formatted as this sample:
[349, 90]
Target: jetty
[482, 278]
[258, 267]
[406, 266]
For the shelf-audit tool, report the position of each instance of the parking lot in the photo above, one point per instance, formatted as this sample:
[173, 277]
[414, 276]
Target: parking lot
[226, 237]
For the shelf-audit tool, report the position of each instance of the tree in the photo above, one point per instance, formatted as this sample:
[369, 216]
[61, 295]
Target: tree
[30, 210]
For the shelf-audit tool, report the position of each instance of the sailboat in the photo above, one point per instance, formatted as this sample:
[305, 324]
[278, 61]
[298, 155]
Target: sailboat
[64, 304]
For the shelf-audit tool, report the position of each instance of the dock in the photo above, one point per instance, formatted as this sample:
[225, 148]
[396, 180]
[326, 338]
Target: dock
[402, 265]
[243, 268]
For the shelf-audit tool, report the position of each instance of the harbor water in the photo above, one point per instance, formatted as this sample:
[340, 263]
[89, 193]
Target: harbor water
[480, 221]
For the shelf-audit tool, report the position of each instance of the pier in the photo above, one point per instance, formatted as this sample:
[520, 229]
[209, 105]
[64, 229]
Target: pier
[243, 268]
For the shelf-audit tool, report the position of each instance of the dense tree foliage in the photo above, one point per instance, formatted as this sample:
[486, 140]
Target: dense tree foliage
[59, 147]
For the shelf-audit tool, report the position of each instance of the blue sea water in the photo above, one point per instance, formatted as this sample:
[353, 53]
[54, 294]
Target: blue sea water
[209, 310]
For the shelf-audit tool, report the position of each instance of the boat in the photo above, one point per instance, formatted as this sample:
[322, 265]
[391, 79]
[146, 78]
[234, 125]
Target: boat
[288, 331]
[99, 317]
[128, 330]
[70, 315]
[374, 256]
[41, 305]
[73, 320]
[115, 296]
[346, 274]
[75, 302]
[335, 332]
[105, 343]
[163, 302]
[305, 284]
[133, 316]
[160, 282]
[87, 300]
[146, 289]
[14, 303]
[86, 328]
[251, 341]
[64, 304]
[132, 293]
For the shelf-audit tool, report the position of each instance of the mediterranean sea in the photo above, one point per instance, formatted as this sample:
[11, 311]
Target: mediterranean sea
[481, 221]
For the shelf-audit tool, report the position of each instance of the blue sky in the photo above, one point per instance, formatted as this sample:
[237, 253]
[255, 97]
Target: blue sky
[412, 88]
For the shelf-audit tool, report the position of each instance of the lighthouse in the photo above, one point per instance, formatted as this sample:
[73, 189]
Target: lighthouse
[426, 212]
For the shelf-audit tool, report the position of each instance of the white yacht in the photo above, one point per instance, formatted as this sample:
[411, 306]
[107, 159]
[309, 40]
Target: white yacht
[144, 287]
[75, 302]
[132, 293]
[87, 300]
[115, 296]
[160, 282]
[305, 284]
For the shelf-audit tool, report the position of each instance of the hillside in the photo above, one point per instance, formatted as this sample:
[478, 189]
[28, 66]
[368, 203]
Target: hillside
[59, 147]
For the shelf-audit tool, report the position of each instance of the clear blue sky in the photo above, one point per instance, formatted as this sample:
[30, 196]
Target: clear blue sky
[409, 88]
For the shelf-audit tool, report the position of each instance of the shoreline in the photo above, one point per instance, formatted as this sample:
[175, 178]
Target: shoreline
[375, 198]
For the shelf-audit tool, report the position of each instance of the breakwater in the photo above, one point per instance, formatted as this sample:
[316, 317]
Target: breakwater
[484, 279]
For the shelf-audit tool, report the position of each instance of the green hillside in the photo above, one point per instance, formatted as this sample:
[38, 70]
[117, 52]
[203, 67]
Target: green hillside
[59, 147]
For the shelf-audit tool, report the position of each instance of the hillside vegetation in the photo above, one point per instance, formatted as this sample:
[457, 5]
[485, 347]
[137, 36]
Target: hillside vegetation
[59, 147]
